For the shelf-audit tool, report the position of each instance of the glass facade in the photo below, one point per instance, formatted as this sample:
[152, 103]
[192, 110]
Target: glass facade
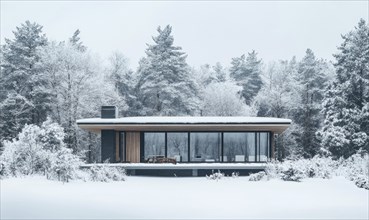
[177, 144]
[208, 147]
[263, 145]
[205, 146]
[154, 144]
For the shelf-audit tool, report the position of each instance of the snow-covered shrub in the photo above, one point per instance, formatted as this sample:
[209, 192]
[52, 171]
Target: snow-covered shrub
[105, 173]
[235, 174]
[361, 181]
[215, 176]
[257, 176]
[273, 169]
[320, 167]
[356, 169]
[292, 174]
[66, 165]
[39, 150]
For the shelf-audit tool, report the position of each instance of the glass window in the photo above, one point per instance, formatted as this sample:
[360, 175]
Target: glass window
[177, 144]
[239, 147]
[205, 146]
[235, 147]
[154, 144]
[251, 147]
[263, 146]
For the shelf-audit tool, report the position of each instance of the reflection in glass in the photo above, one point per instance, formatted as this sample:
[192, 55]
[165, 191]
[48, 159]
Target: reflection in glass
[205, 146]
[263, 146]
[239, 146]
[177, 144]
[154, 144]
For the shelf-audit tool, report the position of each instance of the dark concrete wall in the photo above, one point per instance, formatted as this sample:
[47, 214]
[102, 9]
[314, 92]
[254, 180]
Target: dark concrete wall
[108, 142]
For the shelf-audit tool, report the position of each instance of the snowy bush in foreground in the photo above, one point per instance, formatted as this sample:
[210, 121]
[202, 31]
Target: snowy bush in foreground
[354, 168]
[292, 174]
[215, 176]
[257, 176]
[319, 167]
[235, 174]
[103, 173]
[39, 150]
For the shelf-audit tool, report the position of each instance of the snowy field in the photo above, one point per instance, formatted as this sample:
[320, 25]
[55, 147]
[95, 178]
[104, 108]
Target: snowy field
[191, 197]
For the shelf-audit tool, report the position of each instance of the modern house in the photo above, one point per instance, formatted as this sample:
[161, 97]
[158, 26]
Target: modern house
[187, 140]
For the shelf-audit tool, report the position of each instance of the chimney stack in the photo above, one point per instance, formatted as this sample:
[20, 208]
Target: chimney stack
[109, 112]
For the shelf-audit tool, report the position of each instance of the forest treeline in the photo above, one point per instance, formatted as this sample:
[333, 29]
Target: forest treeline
[328, 101]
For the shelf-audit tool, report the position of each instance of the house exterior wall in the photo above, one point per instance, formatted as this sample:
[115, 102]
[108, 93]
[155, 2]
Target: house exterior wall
[133, 145]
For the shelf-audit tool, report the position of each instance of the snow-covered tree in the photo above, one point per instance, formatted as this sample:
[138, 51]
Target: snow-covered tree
[346, 100]
[246, 72]
[79, 86]
[220, 72]
[223, 99]
[277, 98]
[75, 40]
[124, 81]
[25, 89]
[311, 79]
[206, 74]
[165, 86]
[39, 150]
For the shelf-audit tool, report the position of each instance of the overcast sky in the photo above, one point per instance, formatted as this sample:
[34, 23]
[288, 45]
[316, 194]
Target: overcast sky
[207, 31]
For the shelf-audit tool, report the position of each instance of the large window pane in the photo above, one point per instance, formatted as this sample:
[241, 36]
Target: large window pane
[205, 146]
[235, 147]
[251, 147]
[239, 147]
[264, 146]
[177, 144]
[154, 144]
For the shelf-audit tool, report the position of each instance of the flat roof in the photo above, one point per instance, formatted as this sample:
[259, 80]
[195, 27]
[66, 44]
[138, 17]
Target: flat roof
[185, 120]
[186, 123]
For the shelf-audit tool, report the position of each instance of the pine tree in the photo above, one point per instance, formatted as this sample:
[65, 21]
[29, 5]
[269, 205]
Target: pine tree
[346, 123]
[246, 72]
[165, 86]
[75, 40]
[311, 77]
[26, 96]
[220, 72]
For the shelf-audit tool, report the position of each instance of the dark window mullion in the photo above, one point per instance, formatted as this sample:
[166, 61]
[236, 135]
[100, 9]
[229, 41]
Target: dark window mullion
[259, 147]
[256, 147]
[222, 147]
[188, 145]
[166, 144]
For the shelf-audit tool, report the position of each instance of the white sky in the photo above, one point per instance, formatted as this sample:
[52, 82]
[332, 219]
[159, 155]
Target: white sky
[207, 31]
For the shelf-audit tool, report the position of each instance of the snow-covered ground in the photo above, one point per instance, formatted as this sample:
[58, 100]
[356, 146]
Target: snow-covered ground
[192, 197]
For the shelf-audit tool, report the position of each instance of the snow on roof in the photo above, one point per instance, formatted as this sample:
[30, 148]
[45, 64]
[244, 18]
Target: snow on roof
[185, 120]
